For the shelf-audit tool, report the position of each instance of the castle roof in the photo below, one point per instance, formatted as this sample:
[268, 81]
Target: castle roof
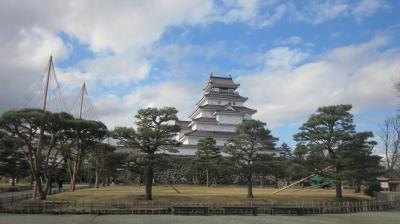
[225, 108]
[183, 124]
[241, 109]
[220, 95]
[205, 119]
[220, 81]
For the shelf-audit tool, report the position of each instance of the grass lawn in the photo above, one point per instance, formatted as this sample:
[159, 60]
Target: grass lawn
[230, 194]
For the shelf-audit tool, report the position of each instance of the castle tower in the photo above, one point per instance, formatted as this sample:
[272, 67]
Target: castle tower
[216, 114]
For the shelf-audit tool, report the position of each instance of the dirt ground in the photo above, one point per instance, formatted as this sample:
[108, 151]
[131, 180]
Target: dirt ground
[389, 217]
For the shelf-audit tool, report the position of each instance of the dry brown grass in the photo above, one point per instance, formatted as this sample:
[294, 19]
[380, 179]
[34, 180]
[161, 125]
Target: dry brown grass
[230, 194]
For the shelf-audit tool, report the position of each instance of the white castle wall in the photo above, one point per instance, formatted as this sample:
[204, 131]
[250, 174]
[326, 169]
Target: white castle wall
[229, 119]
[190, 140]
[222, 102]
[204, 113]
[213, 127]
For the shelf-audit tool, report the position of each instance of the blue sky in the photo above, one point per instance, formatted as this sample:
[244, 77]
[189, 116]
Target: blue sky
[290, 57]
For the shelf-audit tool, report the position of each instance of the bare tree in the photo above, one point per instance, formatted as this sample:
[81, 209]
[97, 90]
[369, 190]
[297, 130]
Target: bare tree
[390, 137]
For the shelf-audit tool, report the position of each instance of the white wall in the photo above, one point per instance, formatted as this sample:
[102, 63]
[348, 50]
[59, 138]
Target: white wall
[222, 102]
[213, 127]
[190, 140]
[204, 113]
[247, 117]
[229, 119]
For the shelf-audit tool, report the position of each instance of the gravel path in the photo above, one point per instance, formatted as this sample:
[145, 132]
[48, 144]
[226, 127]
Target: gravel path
[390, 217]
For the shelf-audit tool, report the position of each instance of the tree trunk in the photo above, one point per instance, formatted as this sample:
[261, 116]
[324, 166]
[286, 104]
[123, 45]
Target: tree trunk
[39, 188]
[249, 186]
[34, 191]
[276, 181]
[207, 178]
[31, 180]
[75, 174]
[97, 179]
[97, 172]
[149, 182]
[338, 183]
[357, 187]
[338, 189]
[13, 181]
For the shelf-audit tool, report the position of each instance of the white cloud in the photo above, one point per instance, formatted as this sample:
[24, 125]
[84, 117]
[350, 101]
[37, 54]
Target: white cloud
[283, 58]
[366, 8]
[287, 90]
[292, 40]
[120, 111]
[120, 35]
[356, 74]
[319, 12]
[240, 10]
[105, 25]
[123, 35]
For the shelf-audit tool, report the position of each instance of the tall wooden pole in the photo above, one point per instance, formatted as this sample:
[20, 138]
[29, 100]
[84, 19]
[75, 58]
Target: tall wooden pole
[47, 84]
[38, 157]
[82, 94]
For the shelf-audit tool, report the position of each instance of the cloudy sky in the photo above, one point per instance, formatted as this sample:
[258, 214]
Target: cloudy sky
[290, 57]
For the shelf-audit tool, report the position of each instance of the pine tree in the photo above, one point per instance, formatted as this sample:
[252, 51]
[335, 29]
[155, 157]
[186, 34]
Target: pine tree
[252, 140]
[207, 157]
